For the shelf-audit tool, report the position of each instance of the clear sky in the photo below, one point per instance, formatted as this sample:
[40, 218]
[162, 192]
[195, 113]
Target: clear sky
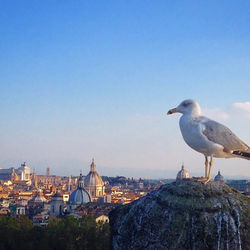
[83, 79]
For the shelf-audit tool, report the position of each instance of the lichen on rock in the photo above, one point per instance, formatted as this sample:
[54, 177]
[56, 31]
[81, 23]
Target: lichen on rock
[184, 215]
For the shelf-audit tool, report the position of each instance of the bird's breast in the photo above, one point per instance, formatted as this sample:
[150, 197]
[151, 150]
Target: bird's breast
[193, 136]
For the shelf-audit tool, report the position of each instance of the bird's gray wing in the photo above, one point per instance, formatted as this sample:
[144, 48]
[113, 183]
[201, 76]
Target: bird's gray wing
[222, 135]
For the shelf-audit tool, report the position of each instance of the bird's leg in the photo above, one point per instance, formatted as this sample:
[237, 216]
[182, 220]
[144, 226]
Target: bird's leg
[206, 166]
[210, 168]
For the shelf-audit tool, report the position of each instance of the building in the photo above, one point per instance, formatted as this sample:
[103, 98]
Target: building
[24, 172]
[104, 199]
[20, 210]
[56, 204]
[182, 174]
[20, 174]
[93, 182]
[80, 196]
[100, 212]
[48, 180]
[8, 174]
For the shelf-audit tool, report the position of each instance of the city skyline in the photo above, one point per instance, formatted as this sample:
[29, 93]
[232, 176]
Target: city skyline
[93, 79]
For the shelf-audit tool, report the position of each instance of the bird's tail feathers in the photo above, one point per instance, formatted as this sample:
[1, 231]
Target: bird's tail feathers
[242, 154]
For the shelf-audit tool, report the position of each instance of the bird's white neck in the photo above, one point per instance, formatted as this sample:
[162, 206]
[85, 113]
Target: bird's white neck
[194, 113]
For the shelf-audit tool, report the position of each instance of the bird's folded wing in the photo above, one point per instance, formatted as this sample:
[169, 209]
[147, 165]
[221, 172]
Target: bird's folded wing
[222, 135]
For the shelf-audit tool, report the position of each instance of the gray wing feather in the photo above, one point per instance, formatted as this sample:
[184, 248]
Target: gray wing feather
[222, 135]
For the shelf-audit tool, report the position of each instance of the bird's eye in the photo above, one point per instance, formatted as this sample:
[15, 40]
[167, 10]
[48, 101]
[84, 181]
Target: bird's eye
[185, 104]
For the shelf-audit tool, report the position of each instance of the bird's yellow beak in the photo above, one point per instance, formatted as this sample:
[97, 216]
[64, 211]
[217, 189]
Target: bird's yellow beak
[171, 111]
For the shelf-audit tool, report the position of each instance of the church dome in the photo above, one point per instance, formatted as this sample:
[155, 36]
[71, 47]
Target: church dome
[219, 177]
[182, 174]
[93, 178]
[38, 198]
[80, 195]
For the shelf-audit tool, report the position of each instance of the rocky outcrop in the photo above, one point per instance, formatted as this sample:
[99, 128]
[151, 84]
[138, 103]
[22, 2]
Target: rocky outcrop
[184, 215]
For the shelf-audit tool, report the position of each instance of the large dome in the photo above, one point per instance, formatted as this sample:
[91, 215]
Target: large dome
[93, 178]
[80, 195]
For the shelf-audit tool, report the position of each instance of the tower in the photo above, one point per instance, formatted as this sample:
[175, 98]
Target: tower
[48, 172]
[69, 184]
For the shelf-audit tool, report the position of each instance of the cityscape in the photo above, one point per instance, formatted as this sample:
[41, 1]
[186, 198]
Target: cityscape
[41, 197]
[124, 125]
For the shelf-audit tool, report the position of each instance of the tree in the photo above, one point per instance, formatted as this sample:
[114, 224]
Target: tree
[61, 233]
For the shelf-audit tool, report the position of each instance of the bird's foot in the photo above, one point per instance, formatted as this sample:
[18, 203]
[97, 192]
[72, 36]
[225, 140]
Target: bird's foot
[207, 180]
[200, 179]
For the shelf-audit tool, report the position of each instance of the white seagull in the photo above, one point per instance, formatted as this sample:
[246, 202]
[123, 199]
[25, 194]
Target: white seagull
[207, 136]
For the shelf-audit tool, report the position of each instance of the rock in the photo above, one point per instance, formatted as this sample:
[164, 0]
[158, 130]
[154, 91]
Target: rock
[184, 215]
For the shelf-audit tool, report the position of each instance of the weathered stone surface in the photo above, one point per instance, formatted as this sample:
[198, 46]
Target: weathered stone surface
[184, 215]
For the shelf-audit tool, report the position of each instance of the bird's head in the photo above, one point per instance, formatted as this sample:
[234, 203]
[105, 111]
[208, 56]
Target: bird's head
[187, 107]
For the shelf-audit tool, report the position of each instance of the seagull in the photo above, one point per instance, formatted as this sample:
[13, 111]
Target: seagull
[207, 136]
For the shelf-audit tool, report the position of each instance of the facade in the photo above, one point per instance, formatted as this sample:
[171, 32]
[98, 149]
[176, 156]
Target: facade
[182, 174]
[20, 210]
[105, 199]
[24, 172]
[93, 182]
[48, 180]
[101, 218]
[56, 204]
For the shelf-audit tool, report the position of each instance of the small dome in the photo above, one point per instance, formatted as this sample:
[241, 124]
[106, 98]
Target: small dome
[39, 198]
[182, 174]
[219, 177]
[80, 195]
[93, 178]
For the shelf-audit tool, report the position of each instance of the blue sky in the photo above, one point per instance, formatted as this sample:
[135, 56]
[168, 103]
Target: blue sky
[83, 79]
